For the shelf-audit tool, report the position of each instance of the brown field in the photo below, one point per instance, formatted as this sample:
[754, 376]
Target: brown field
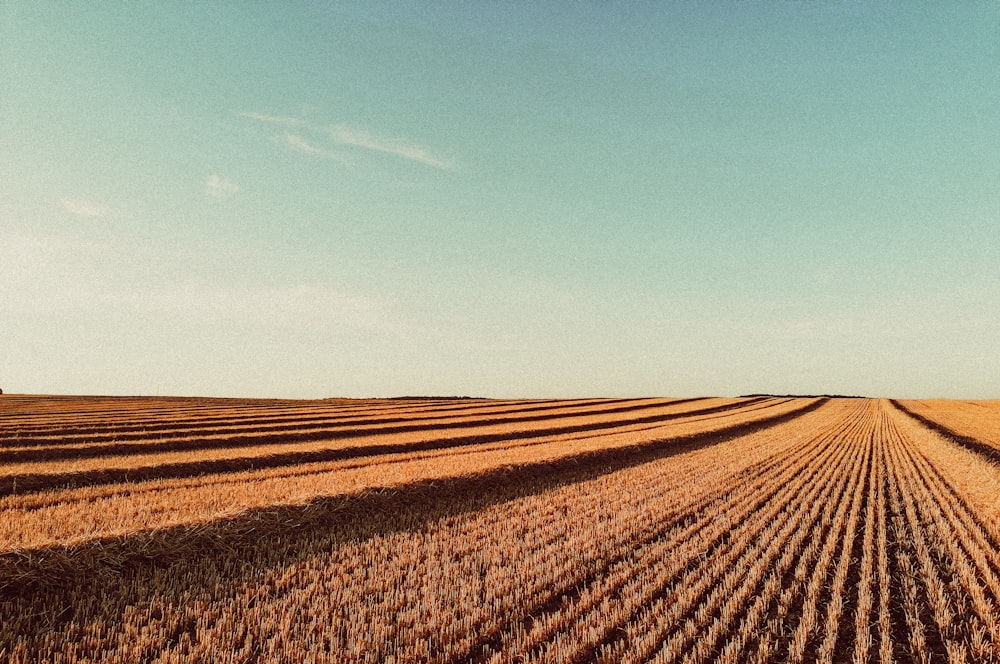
[754, 529]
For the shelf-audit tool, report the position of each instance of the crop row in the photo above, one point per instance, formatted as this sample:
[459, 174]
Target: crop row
[181, 422]
[786, 531]
[118, 499]
[976, 424]
[445, 589]
[211, 442]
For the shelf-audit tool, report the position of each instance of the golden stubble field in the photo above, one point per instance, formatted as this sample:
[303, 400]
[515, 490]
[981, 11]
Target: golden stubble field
[751, 529]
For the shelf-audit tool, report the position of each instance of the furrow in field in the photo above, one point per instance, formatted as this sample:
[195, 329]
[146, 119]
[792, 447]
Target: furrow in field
[302, 420]
[556, 650]
[865, 577]
[775, 548]
[888, 628]
[152, 525]
[814, 636]
[302, 469]
[780, 531]
[978, 419]
[925, 600]
[795, 615]
[642, 588]
[594, 593]
[343, 435]
[17, 430]
[791, 582]
[142, 415]
[965, 555]
[636, 579]
[979, 434]
[417, 594]
[34, 477]
[43, 408]
[322, 429]
[570, 443]
[169, 418]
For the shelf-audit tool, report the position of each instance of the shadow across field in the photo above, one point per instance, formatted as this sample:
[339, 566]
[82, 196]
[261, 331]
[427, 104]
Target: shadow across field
[236, 422]
[30, 483]
[969, 443]
[23, 451]
[173, 565]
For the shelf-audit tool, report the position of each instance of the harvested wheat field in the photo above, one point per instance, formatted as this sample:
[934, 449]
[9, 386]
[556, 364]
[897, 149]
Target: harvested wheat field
[754, 529]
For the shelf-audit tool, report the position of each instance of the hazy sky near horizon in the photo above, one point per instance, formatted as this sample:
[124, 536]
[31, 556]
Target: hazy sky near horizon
[500, 199]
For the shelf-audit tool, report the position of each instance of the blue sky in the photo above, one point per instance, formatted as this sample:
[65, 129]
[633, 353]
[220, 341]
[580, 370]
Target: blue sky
[575, 199]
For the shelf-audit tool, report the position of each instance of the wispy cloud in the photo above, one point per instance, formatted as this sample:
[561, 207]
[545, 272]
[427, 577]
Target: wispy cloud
[342, 134]
[299, 143]
[216, 185]
[85, 208]
[283, 121]
[395, 146]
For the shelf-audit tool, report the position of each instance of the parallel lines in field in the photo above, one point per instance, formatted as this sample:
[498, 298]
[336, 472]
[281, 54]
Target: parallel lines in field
[802, 567]
[80, 511]
[580, 568]
[263, 432]
[63, 427]
[72, 409]
[341, 426]
[790, 586]
[958, 564]
[633, 577]
[303, 468]
[761, 539]
[238, 454]
[807, 591]
[730, 531]
[987, 427]
[183, 423]
[866, 573]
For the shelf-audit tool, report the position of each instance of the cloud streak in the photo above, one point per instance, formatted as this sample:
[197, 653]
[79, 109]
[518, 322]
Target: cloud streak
[280, 120]
[346, 135]
[297, 142]
[216, 185]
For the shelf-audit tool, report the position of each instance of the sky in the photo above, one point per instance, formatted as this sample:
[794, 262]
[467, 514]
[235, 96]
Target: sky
[311, 199]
